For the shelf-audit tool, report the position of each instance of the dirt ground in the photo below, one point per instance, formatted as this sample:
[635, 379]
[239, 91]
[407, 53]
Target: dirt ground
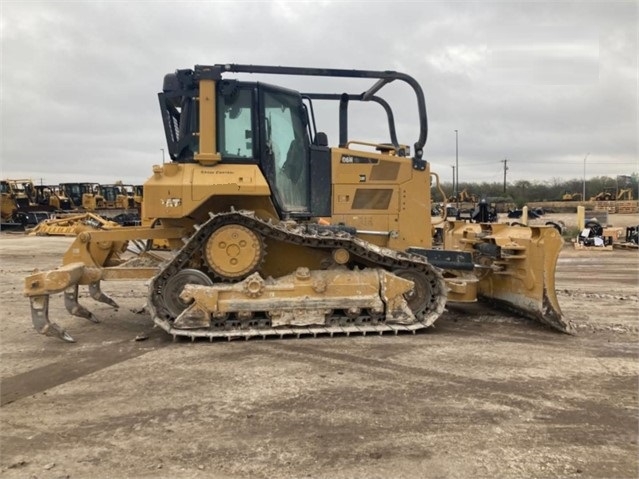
[482, 394]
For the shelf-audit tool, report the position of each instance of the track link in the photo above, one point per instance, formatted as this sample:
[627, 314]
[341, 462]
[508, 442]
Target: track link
[362, 253]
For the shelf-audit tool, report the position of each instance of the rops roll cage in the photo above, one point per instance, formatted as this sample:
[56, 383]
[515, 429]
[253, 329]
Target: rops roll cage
[214, 72]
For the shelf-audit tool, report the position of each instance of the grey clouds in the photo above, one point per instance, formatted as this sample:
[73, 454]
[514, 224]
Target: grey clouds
[540, 83]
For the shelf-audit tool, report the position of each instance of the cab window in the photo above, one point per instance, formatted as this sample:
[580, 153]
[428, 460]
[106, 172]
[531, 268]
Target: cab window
[235, 120]
[287, 147]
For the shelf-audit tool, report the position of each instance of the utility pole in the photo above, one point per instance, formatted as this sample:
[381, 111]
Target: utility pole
[453, 167]
[457, 167]
[583, 190]
[162, 150]
[505, 162]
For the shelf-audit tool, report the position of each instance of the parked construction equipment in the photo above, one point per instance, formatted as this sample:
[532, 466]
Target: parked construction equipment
[625, 194]
[52, 196]
[71, 225]
[115, 202]
[463, 197]
[19, 206]
[613, 194]
[567, 196]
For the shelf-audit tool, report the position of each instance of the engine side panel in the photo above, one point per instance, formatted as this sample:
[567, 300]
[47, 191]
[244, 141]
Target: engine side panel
[384, 195]
[176, 190]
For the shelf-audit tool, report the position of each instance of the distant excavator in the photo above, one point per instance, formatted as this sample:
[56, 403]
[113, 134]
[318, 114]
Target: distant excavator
[464, 197]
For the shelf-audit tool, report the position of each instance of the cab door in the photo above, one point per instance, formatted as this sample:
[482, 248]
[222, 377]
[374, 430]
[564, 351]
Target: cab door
[285, 151]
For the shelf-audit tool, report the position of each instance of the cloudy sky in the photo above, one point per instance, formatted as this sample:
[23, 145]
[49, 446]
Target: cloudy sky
[542, 84]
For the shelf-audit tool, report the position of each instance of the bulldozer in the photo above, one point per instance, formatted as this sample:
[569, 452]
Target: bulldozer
[8, 207]
[117, 196]
[88, 205]
[138, 195]
[23, 191]
[19, 205]
[274, 233]
[52, 196]
[568, 196]
[85, 196]
[133, 195]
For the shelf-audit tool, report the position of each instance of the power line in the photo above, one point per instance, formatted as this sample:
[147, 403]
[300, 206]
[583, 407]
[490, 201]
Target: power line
[602, 163]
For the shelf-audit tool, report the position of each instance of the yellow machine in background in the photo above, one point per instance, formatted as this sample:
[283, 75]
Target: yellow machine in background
[133, 195]
[8, 204]
[625, 194]
[22, 193]
[276, 233]
[464, 197]
[22, 205]
[85, 196]
[53, 196]
[568, 196]
[608, 194]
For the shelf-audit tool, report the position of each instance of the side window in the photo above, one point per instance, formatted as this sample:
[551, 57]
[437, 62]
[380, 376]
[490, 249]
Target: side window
[288, 145]
[235, 120]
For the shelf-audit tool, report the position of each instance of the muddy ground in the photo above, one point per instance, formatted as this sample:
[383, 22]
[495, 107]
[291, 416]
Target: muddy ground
[483, 394]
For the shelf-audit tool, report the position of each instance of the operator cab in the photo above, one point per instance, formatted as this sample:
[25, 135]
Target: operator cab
[261, 124]
[272, 127]
[273, 134]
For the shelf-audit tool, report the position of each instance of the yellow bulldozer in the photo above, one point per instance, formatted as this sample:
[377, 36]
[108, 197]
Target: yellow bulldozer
[568, 196]
[117, 196]
[20, 206]
[276, 233]
[84, 196]
[463, 197]
[53, 196]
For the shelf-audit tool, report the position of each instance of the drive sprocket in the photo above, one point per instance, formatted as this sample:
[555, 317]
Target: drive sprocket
[233, 251]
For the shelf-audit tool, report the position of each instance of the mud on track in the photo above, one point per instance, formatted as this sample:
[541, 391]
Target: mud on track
[483, 394]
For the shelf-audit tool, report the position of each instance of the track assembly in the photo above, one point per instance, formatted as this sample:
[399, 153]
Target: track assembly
[374, 294]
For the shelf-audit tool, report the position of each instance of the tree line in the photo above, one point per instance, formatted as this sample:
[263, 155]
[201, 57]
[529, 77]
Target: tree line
[524, 191]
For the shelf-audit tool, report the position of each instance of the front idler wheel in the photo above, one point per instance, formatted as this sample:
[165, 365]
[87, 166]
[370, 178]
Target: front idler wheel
[174, 286]
[419, 298]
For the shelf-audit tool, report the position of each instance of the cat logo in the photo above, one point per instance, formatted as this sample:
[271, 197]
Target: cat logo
[171, 202]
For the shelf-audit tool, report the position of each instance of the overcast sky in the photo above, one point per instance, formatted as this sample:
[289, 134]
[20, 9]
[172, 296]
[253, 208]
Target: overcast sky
[542, 84]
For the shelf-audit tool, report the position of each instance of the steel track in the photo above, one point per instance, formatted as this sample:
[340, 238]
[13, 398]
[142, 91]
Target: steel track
[362, 253]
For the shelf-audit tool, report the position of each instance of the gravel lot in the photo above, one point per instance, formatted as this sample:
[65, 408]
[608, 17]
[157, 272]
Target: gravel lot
[483, 394]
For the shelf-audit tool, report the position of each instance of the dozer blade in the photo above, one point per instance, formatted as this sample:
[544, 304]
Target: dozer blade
[516, 268]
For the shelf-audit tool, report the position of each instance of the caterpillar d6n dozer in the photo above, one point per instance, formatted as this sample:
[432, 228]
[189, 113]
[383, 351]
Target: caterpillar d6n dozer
[273, 232]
